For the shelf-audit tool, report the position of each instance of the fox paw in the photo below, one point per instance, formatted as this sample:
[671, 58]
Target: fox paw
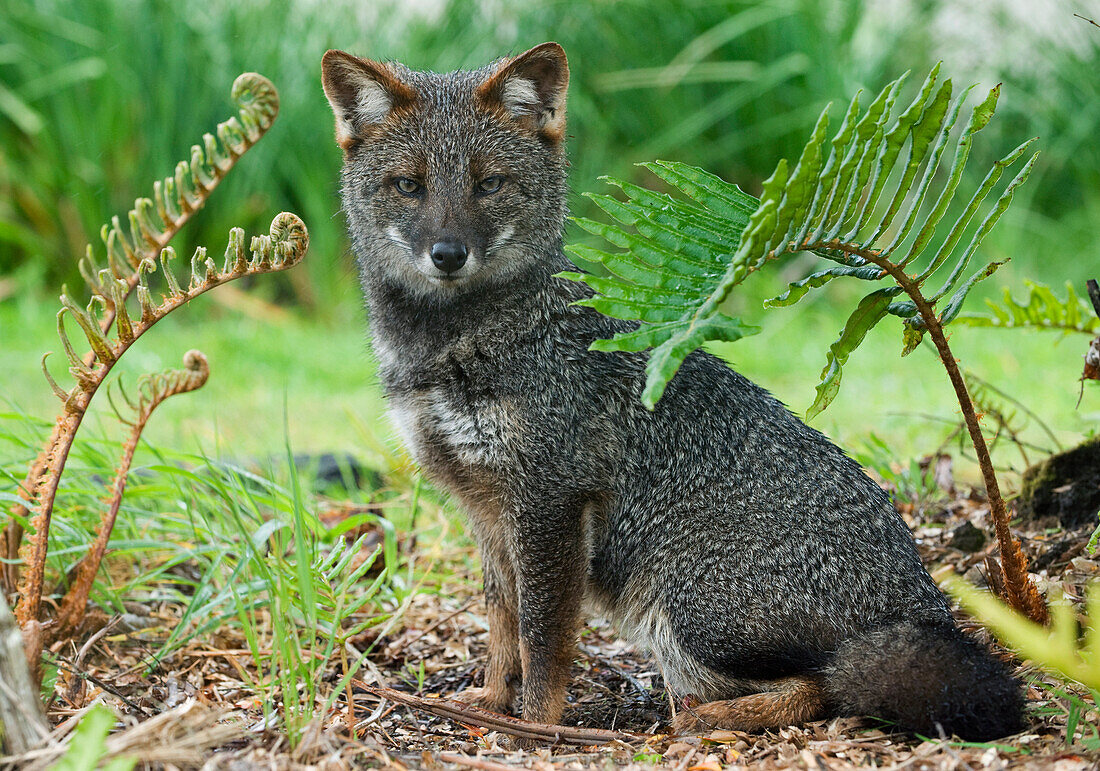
[698, 719]
[494, 701]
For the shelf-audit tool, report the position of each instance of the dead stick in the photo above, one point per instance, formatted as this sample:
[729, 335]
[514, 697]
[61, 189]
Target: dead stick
[478, 763]
[526, 729]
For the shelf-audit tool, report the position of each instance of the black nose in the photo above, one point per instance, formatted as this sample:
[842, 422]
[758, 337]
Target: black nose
[449, 256]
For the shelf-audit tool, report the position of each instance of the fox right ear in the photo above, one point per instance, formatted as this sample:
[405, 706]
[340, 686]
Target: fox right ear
[362, 93]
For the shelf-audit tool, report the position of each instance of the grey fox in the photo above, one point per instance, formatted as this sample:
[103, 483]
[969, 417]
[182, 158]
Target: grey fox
[772, 579]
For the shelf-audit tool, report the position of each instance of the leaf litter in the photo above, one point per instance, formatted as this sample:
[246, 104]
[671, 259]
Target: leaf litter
[199, 707]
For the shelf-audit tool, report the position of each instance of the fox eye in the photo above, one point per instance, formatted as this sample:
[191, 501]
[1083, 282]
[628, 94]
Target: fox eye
[490, 185]
[407, 186]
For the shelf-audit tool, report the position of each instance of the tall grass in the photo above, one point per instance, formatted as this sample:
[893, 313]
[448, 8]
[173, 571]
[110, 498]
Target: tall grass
[226, 551]
[98, 93]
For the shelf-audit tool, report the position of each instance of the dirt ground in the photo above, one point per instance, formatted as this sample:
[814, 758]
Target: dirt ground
[196, 709]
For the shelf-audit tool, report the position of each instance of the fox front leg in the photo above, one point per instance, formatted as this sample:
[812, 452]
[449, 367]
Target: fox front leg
[551, 565]
[503, 669]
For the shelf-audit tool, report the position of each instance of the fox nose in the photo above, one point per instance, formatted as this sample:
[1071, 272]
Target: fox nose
[449, 256]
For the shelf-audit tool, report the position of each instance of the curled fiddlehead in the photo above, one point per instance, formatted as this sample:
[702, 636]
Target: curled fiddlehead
[129, 253]
[282, 248]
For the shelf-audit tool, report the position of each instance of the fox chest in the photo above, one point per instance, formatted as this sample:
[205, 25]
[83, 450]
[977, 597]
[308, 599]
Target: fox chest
[453, 434]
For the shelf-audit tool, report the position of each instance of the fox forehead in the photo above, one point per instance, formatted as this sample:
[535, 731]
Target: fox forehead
[449, 133]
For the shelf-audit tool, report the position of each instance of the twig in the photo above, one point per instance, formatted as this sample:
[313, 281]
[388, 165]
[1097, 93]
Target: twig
[1085, 18]
[526, 729]
[105, 687]
[478, 763]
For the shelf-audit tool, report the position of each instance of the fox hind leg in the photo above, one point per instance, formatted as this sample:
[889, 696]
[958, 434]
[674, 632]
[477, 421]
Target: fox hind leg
[791, 701]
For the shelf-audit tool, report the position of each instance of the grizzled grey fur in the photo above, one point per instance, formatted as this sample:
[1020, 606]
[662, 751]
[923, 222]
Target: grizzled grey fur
[740, 546]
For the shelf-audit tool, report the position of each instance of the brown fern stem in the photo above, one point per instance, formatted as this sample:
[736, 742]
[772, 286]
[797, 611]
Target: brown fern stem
[1020, 591]
[75, 601]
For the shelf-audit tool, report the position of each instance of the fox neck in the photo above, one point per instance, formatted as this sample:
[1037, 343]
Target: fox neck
[421, 325]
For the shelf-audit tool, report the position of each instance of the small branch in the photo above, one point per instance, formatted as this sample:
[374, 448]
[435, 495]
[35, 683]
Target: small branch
[514, 726]
[1085, 18]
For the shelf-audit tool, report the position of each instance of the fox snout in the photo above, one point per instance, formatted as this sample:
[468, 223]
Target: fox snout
[449, 256]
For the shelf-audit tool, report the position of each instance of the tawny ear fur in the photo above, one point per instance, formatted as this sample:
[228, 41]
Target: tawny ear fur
[531, 87]
[362, 93]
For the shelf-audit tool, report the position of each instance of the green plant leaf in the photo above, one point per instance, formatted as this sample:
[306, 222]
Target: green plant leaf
[799, 289]
[1041, 310]
[88, 744]
[869, 312]
[830, 203]
[951, 310]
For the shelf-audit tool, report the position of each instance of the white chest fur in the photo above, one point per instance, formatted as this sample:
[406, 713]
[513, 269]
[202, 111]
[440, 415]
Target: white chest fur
[434, 420]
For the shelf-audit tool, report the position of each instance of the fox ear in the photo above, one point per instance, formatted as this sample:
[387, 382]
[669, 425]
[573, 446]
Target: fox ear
[362, 93]
[531, 87]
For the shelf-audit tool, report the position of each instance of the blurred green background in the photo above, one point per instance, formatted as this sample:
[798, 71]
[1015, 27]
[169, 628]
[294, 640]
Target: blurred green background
[100, 97]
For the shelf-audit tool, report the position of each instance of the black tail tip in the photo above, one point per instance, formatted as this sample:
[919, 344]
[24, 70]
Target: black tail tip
[929, 679]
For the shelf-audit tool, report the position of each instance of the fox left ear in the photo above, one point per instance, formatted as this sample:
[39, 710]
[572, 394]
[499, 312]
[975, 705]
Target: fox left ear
[531, 87]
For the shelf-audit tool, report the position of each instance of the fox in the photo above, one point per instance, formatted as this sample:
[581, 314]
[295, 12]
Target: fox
[772, 580]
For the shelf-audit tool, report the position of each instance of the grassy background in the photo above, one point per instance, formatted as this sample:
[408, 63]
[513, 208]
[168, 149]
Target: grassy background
[99, 98]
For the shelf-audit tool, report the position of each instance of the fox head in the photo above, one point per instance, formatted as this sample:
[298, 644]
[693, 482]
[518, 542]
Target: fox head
[451, 181]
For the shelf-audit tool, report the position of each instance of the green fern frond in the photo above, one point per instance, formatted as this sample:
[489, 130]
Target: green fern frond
[1042, 310]
[684, 257]
[675, 259]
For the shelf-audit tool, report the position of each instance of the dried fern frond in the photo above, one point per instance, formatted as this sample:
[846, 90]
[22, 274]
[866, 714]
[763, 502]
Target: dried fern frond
[282, 248]
[152, 224]
[152, 391]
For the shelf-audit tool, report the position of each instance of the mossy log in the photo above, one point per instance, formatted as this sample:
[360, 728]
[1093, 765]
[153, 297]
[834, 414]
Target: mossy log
[1065, 486]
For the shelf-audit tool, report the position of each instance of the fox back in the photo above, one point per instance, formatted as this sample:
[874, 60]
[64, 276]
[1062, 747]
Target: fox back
[772, 579]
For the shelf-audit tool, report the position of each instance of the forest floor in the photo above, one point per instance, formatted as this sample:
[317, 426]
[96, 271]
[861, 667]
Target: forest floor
[200, 708]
